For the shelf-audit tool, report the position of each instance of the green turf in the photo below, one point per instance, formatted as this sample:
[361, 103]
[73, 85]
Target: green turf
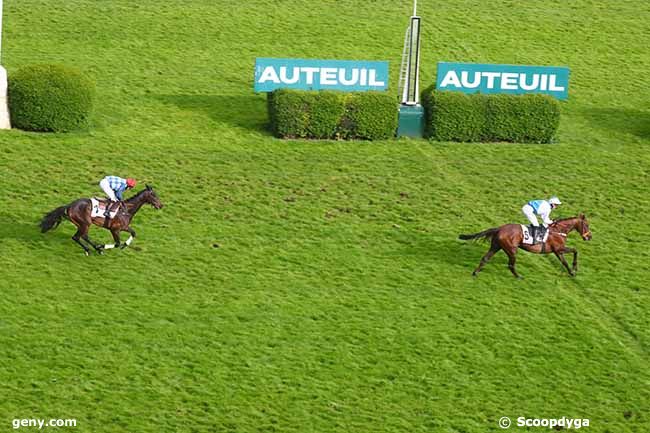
[299, 286]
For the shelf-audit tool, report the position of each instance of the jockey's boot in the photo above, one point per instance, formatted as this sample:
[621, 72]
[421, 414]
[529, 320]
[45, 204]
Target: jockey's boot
[109, 205]
[535, 233]
[542, 232]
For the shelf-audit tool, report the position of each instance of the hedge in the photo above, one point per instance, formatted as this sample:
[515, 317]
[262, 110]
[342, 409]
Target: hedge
[455, 116]
[531, 118]
[328, 114]
[50, 98]
[370, 116]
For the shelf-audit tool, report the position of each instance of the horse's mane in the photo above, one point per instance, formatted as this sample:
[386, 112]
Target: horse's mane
[130, 199]
[566, 219]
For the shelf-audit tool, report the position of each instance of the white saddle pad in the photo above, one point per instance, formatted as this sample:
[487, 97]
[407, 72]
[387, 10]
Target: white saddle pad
[528, 238]
[97, 211]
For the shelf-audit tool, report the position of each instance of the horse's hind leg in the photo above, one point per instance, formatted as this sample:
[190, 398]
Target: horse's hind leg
[494, 248]
[76, 237]
[512, 261]
[83, 232]
[97, 247]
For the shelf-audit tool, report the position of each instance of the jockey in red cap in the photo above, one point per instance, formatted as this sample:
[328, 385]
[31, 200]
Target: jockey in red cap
[114, 187]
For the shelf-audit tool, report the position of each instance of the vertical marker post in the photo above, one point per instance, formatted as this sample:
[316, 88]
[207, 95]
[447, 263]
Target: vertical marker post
[411, 113]
[4, 109]
[0, 31]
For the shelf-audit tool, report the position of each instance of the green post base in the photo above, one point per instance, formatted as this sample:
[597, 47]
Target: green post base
[410, 121]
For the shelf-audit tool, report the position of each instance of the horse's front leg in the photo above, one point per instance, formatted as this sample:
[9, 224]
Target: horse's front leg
[116, 239]
[560, 256]
[131, 237]
[574, 266]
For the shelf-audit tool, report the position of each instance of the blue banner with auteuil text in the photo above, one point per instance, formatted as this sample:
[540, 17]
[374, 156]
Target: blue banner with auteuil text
[346, 75]
[513, 79]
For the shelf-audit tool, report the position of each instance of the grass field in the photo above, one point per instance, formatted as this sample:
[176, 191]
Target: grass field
[300, 286]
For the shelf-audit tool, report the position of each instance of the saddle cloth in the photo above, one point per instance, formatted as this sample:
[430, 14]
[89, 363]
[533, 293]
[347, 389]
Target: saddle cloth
[99, 208]
[528, 238]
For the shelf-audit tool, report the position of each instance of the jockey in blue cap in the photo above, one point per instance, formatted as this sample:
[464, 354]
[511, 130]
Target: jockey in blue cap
[542, 208]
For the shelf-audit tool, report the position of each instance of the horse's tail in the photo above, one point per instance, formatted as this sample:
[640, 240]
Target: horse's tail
[53, 219]
[485, 234]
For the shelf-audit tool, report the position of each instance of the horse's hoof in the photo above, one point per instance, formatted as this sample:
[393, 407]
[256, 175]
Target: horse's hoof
[123, 246]
[474, 274]
[86, 253]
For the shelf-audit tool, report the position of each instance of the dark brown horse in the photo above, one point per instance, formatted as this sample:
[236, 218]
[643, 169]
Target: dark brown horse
[79, 211]
[509, 237]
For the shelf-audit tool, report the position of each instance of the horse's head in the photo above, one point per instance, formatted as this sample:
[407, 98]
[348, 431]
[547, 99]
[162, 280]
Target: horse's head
[583, 227]
[150, 197]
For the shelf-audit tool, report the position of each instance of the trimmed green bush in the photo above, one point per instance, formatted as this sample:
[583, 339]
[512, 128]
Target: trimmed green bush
[288, 113]
[455, 116]
[522, 118]
[50, 98]
[370, 116]
[325, 114]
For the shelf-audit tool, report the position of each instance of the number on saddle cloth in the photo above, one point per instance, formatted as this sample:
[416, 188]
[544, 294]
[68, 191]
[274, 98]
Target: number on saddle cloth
[117, 208]
[539, 234]
[101, 208]
[534, 235]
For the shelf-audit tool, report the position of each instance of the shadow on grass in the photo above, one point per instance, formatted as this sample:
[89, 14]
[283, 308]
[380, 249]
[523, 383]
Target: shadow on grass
[635, 122]
[461, 258]
[18, 228]
[462, 255]
[247, 111]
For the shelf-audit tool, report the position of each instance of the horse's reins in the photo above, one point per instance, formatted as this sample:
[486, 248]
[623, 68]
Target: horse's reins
[587, 233]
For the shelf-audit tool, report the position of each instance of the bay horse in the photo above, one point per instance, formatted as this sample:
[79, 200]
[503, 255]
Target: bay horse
[79, 213]
[509, 237]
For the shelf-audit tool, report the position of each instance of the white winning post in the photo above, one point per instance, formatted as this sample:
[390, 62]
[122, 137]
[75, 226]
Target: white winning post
[409, 85]
[4, 110]
[0, 31]
[411, 113]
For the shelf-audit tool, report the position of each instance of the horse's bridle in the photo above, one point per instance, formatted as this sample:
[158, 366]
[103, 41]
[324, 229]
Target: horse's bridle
[586, 234]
